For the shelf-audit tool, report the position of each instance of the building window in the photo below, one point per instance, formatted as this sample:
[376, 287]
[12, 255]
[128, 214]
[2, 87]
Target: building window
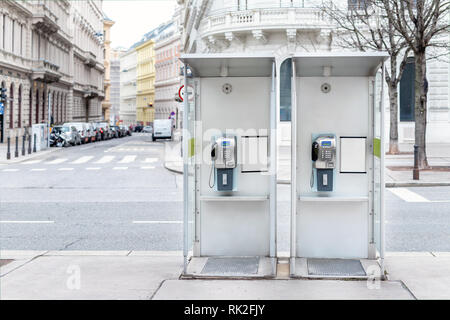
[37, 106]
[21, 40]
[407, 91]
[12, 39]
[30, 116]
[285, 90]
[4, 31]
[11, 106]
[19, 105]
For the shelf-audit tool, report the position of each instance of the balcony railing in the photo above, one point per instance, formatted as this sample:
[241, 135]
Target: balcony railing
[45, 71]
[265, 18]
[44, 19]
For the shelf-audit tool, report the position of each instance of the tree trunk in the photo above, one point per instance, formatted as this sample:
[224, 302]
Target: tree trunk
[421, 90]
[393, 107]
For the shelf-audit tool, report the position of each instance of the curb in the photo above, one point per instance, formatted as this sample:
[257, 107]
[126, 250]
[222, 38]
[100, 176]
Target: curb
[31, 156]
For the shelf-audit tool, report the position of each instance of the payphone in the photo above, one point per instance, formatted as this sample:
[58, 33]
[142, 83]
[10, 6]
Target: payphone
[223, 155]
[323, 156]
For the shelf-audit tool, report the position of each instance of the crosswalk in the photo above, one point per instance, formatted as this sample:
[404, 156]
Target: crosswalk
[92, 163]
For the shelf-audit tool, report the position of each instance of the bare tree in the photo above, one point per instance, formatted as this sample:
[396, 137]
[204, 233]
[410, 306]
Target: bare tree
[365, 27]
[421, 23]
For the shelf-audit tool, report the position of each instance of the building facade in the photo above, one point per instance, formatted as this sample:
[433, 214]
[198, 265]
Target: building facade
[287, 26]
[50, 58]
[106, 104]
[114, 117]
[128, 73]
[167, 67]
[145, 96]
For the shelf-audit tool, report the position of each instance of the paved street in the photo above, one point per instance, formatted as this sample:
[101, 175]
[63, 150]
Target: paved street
[111, 195]
[116, 195]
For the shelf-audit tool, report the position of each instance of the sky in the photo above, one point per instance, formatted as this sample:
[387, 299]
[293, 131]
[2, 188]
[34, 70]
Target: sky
[134, 18]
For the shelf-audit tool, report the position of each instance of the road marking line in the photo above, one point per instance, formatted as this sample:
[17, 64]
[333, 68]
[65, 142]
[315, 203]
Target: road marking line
[150, 160]
[158, 222]
[10, 170]
[408, 195]
[65, 169]
[120, 168]
[83, 159]
[93, 168]
[32, 161]
[128, 159]
[105, 159]
[148, 167]
[57, 161]
[38, 169]
[18, 221]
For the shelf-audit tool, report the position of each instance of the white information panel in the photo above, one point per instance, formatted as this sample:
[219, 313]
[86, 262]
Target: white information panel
[353, 154]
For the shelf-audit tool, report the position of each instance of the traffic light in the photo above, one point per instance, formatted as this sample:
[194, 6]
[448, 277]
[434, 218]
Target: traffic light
[3, 95]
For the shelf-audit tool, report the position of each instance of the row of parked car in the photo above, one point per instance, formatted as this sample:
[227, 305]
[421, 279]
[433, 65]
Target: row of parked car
[77, 133]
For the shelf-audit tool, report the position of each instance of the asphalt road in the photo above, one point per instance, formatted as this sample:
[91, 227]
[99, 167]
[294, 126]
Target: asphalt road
[117, 195]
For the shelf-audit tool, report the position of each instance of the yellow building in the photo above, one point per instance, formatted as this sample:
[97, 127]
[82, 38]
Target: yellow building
[145, 111]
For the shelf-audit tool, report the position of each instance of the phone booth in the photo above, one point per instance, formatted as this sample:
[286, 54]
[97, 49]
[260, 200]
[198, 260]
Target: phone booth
[229, 154]
[337, 178]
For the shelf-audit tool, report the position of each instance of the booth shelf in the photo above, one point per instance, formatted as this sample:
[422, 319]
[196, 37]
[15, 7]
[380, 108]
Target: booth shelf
[234, 198]
[331, 198]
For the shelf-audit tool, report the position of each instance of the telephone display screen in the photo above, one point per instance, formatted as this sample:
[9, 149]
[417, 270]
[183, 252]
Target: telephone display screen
[326, 143]
[225, 143]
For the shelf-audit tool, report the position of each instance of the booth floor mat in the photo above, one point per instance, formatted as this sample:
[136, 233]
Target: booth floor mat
[335, 267]
[231, 266]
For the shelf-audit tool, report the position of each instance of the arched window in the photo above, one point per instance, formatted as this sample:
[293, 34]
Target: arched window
[52, 118]
[30, 112]
[11, 106]
[37, 106]
[19, 112]
[43, 105]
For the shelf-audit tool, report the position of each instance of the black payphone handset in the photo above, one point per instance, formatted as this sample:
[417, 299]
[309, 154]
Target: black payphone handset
[213, 159]
[314, 157]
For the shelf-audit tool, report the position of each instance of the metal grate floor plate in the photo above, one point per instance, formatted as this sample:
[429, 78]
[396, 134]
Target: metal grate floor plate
[335, 267]
[231, 266]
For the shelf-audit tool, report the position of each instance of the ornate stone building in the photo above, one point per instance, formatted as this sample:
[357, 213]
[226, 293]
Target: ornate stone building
[128, 72]
[106, 104]
[50, 51]
[286, 26]
[167, 67]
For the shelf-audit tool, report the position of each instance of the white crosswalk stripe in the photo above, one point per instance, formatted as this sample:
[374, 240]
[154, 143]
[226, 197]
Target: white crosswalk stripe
[93, 168]
[32, 161]
[150, 160]
[57, 161]
[105, 159]
[65, 169]
[10, 170]
[120, 168]
[128, 159]
[38, 169]
[83, 159]
[408, 195]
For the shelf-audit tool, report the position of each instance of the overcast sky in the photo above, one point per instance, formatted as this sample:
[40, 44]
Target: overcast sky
[134, 18]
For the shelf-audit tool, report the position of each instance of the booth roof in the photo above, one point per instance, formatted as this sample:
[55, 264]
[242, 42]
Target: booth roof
[307, 64]
[357, 64]
[212, 65]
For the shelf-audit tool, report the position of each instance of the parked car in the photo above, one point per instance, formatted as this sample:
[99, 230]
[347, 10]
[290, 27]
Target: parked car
[82, 128]
[104, 130]
[69, 133]
[126, 130]
[138, 128]
[115, 131]
[162, 129]
[58, 137]
[147, 129]
[92, 132]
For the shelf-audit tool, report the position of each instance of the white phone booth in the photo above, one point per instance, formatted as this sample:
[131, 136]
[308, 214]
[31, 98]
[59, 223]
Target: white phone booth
[337, 164]
[229, 151]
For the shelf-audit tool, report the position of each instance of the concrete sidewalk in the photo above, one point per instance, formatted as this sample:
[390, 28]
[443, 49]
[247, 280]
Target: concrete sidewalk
[155, 275]
[438, 155]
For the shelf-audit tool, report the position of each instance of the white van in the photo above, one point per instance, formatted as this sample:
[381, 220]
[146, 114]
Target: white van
[162, 129]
